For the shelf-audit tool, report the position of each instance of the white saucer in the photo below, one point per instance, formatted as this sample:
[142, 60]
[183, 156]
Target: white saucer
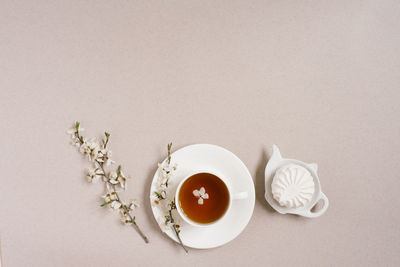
[212, 157]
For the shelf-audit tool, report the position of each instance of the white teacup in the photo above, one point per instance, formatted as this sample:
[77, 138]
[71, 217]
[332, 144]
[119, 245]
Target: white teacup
[232, 196]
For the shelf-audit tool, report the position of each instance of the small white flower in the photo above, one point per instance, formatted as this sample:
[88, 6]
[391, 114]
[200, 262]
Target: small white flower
[113, 181]
[110, 196]
[85, 148]
[107, 156]
[165, 172]
[122, 182]
[90, 148]
[122, 174]
[201, 195]
[111, 188]
[133, 204]
[71, 131]
[124, 216]
[104, 155]
[94, 174]
[93, 150]
[115, 204]
[75, 141]
[113, 177]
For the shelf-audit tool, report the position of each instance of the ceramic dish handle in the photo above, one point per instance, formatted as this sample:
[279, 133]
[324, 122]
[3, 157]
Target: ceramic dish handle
[241, 195]
[311, 214]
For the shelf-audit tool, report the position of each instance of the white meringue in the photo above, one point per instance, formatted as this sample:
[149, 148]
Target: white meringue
[293, 186]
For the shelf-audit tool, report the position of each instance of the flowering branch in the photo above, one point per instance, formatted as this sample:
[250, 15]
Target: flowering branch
[165, 172]
[100, 156]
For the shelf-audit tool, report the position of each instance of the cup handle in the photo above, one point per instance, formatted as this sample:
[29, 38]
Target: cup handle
[241, 195]
[310, 214]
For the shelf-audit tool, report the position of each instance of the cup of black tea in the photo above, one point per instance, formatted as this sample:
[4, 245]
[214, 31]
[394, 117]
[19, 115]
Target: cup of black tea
[204, 198]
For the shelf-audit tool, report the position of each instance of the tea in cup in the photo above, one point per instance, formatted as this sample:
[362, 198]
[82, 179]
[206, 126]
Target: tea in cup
[204, 198]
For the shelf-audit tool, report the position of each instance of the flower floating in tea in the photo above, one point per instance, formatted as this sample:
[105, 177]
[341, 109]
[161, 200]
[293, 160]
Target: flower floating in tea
[201, 195]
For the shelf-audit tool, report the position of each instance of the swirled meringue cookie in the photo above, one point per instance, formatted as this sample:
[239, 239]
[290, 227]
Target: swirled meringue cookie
[292, 186]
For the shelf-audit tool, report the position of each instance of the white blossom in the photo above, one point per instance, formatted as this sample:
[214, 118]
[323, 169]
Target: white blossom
[124, 216]
[107, 156]
[94, 174]
[73, 130]
[115, 204]
[113, 177]
[90, 148]
[112, 181]
[75, 141]
[110, 196]
[94, 150]
[104, 155]
[85, 148]
[122, 182]
[133, 204]
[201, 195]
[165, 172]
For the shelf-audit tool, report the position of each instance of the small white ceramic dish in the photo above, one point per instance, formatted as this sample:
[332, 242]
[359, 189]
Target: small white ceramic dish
[275, 162]
[221, 161]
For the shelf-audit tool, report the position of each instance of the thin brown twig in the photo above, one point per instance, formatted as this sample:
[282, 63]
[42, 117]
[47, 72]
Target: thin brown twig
[176, 231]
[174, 206]
[134, 224]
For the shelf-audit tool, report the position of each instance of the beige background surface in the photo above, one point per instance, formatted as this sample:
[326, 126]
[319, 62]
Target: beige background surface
[318, 78]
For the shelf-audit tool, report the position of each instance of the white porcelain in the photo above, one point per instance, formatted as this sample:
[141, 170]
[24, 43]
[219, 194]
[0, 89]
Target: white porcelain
[221, 161]
[292, 186]
[275, 162]
[232, 196]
